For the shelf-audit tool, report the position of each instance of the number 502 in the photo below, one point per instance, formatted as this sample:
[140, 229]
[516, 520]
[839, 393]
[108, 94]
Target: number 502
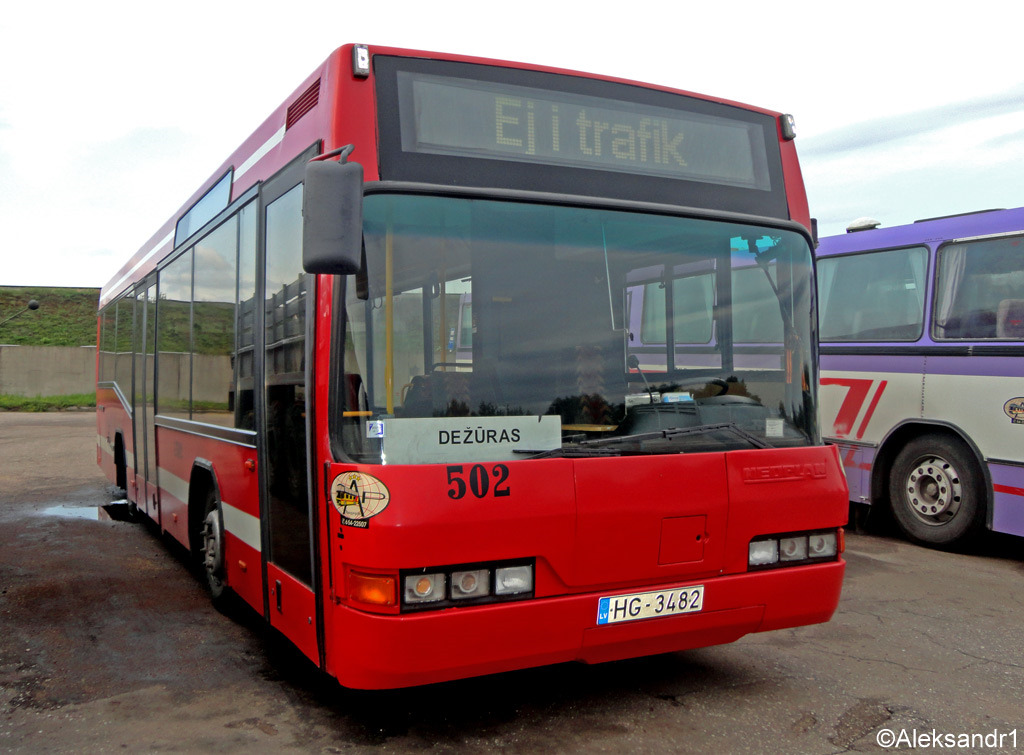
[478, 481]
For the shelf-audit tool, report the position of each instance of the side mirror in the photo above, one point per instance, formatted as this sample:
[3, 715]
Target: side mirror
[332, 215]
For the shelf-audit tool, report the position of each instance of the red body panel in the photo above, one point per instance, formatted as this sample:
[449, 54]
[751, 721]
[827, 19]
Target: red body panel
[634, 514]
[245, 570]
[293, 610]
[597, 527]
[112, 420]
[233, 468]
[796, 194]
[599, 522]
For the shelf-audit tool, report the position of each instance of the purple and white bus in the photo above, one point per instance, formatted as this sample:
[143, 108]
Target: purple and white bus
[922, 370]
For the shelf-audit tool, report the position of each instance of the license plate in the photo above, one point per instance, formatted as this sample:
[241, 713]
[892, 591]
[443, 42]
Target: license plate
[650, 605]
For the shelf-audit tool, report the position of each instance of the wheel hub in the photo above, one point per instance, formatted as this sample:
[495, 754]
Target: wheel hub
[213, 554]
[933, 490]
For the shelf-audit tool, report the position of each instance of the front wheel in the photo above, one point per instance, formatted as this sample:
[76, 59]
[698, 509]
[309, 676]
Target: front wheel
[936, 491]
[212, 551]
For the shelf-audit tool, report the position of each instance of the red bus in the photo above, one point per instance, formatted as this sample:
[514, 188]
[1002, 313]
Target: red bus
[382, 376]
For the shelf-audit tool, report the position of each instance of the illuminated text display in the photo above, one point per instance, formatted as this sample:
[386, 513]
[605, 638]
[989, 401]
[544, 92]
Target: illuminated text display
[497, 121]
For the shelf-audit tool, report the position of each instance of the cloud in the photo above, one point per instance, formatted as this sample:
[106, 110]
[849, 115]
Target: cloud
[74, 216]
[1014, 140]
[903, 197]
[957, 157]
[881, 131]
[155, 143]
[132, 170]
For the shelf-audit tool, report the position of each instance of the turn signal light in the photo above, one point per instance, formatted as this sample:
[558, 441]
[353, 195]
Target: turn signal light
[424, 588]
[374, 589]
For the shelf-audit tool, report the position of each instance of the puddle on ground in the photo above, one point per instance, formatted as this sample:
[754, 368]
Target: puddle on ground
[115, 511]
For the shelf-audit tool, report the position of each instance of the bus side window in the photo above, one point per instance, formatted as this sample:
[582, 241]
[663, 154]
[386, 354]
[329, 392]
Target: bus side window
[876, 296]
[978, 283]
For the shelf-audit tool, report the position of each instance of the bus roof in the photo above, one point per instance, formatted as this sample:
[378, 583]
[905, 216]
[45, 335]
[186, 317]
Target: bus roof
[274, 143]
[930, 231]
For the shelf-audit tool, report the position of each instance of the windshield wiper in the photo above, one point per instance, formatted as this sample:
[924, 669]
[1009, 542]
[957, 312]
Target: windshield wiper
[569, 452]
[679, 432]
[609, 446]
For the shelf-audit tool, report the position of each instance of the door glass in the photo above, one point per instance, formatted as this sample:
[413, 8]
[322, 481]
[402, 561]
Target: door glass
[148, 394]
[285, 326]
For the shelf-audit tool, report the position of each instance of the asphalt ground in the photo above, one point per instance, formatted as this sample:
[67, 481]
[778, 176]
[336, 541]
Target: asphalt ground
[109, 644]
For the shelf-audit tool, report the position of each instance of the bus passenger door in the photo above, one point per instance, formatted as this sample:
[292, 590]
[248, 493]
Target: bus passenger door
[286, 410]
[144, 399]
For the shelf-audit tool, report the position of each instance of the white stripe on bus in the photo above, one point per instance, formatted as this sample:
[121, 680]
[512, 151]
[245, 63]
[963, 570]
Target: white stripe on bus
[169, 238]
[173, 484]
[259, 154]
[245, 527]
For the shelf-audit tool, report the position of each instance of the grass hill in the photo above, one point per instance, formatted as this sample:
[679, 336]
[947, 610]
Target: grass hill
[66, 316]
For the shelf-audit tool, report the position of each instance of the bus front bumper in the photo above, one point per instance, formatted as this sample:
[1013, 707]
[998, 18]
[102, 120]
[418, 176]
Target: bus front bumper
[373, 651]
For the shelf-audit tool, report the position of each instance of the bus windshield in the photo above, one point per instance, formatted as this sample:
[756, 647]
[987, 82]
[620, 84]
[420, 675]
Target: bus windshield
[481, 329]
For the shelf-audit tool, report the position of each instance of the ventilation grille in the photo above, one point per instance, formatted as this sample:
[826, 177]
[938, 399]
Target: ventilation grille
[305, 102]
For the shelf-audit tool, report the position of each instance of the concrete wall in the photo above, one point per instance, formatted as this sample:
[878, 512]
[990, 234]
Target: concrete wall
[61, 370]
[211, 376]
[47, 370]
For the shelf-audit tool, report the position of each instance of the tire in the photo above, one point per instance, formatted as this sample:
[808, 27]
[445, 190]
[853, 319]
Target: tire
[211, 551]
[121, 480]
[936, 492]
[120, 467]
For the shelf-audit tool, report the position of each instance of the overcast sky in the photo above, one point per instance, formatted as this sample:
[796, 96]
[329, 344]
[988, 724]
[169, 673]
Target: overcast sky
[113, 113]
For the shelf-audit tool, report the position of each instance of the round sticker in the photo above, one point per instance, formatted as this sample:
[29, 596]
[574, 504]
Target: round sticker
[1014, 409]
[357, 495]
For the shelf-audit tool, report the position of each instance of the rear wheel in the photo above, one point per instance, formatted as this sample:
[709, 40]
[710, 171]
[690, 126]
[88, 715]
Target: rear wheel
[120, 467]
[211, 550]
[121, 479]
[936, 491]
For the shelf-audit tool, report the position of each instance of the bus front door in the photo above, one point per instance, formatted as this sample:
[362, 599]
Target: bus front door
[287, 501]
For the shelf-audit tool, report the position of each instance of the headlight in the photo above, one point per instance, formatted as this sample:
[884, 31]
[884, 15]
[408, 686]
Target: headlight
[512, 580]
[471, 584]
[763, 552]
[823, 545]
[794, 549]
[466, 585]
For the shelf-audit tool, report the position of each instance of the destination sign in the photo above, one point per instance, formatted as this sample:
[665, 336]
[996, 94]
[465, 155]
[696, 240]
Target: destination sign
[435, 440]
[466, 117]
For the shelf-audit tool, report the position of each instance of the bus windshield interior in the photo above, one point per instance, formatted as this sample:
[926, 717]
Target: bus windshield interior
[633, 332]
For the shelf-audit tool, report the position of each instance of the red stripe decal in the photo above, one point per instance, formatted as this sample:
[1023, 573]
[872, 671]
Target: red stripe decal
[871, 408]
[1008, 489]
